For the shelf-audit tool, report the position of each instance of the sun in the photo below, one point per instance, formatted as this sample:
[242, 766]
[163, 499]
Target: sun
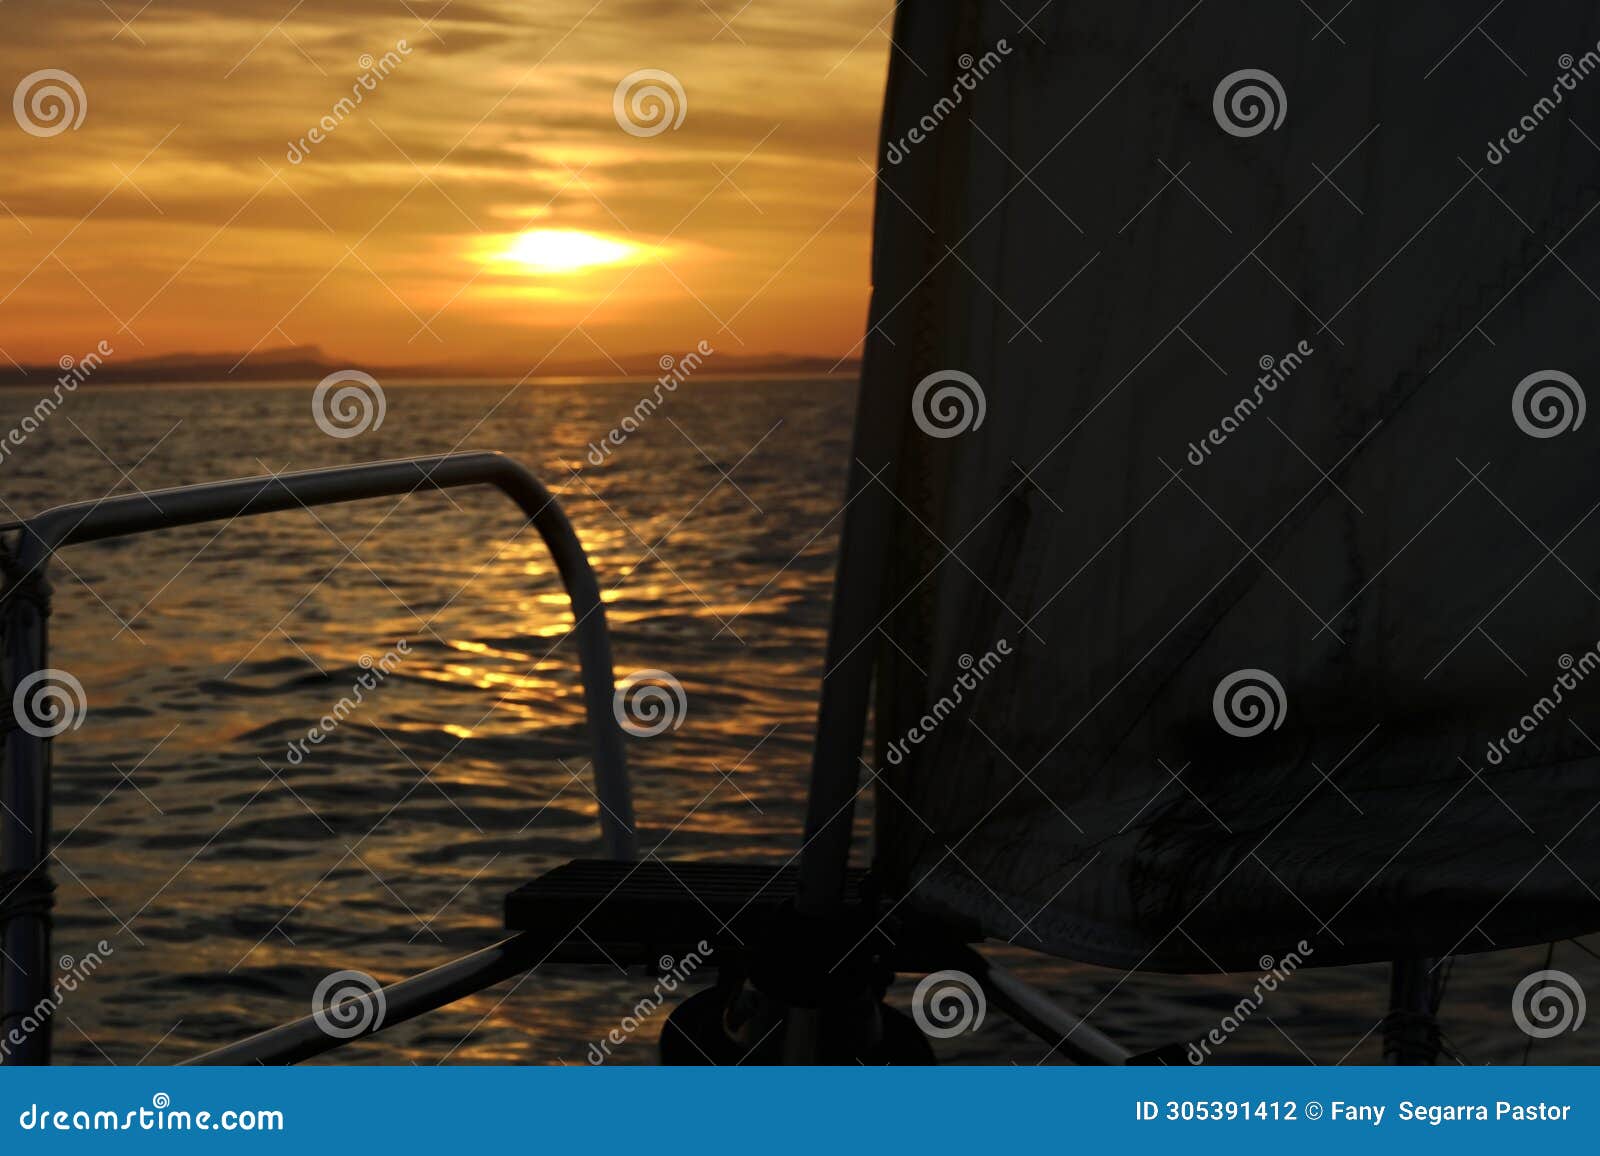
[565, 251]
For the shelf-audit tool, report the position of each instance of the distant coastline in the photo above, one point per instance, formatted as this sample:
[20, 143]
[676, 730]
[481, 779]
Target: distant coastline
[311, 364]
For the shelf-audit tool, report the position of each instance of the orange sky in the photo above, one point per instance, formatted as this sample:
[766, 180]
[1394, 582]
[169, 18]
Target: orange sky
[172, 219]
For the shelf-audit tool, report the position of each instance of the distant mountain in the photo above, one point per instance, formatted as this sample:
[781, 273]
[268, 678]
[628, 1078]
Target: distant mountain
[309, 363]
[288, 364]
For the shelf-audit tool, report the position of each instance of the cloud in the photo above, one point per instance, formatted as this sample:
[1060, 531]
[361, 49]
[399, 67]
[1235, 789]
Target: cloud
[182, 184]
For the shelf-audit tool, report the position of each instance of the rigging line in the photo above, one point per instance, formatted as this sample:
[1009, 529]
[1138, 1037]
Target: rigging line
[1584, 947]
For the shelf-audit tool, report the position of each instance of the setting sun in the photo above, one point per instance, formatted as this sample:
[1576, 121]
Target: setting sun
[565, 251]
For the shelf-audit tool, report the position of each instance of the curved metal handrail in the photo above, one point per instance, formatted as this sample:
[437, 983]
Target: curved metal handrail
[24, 776]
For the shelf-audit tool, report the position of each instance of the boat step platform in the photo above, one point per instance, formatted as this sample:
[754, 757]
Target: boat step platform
[636, 912]
[640, 909]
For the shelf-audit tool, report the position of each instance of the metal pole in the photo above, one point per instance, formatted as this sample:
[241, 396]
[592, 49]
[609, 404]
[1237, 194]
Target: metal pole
[1042, 1016]
[25, 783]
[307, 1037]
[882, 416]
[24, 838]
[892, 365]
[1411, 1029]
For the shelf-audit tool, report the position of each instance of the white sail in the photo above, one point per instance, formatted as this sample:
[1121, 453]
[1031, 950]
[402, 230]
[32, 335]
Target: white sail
[1195, 384]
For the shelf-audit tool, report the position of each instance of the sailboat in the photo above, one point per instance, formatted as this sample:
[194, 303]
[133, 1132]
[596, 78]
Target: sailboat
[1218, 566]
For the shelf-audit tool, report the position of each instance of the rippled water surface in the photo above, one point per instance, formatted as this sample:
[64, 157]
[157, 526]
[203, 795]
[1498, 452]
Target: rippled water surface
[230, 880]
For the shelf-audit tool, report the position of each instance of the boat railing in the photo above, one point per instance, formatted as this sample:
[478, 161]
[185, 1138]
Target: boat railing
[25, 773]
